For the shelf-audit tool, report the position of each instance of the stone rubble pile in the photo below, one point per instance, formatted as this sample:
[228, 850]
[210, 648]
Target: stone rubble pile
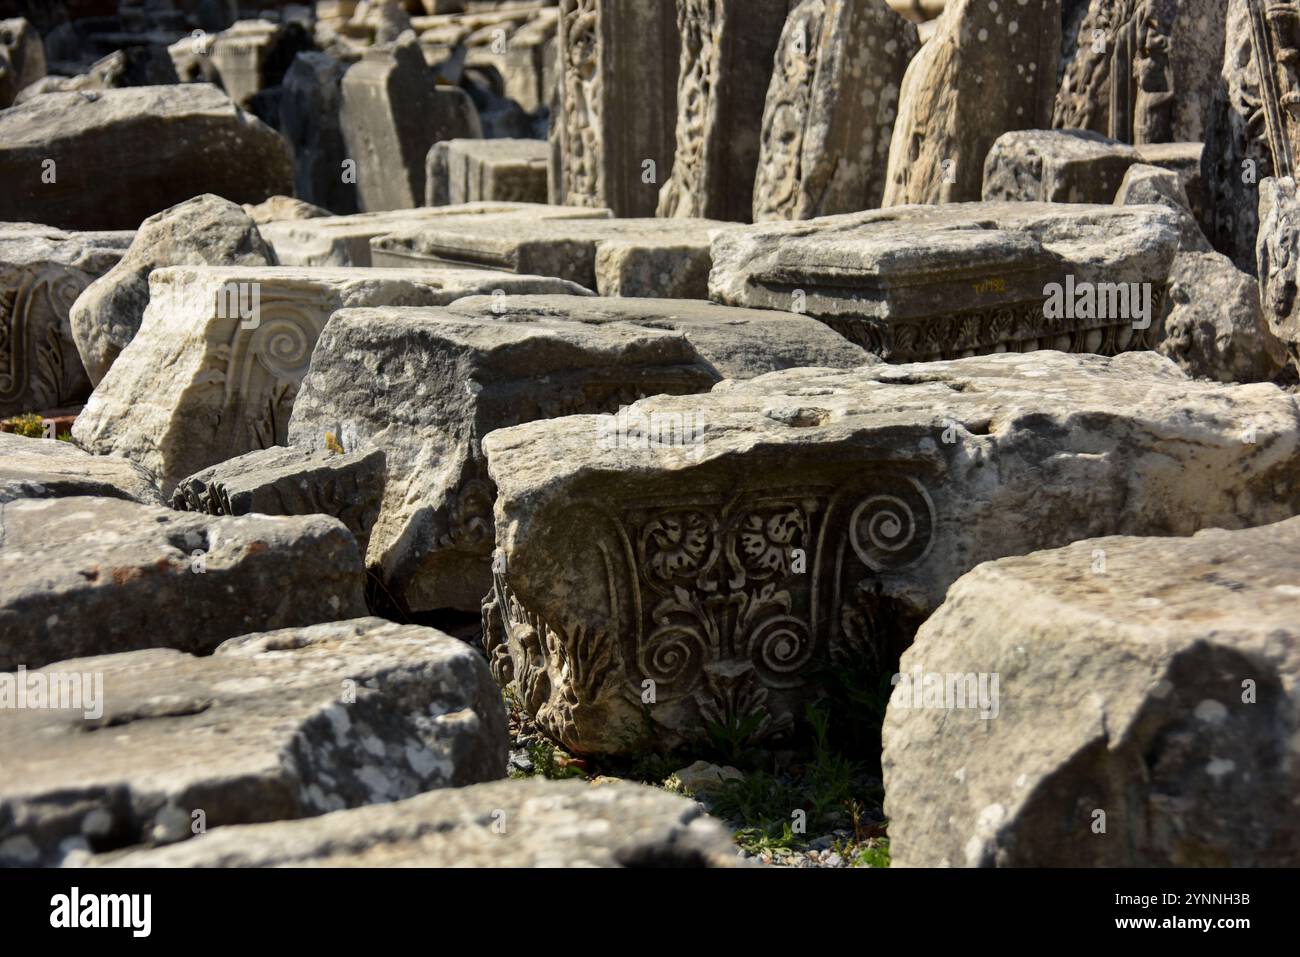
[623, 377]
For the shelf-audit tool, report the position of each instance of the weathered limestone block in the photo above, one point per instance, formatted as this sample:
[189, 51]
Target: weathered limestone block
[278, 725]
[48, 468]
[1142, 71]
[86, 576]
[527, 65]
[216, 365]
[1278, 254]
[206, 230]
[1237, 155]
[830, 109]
[988, 68]
[425, 385]
[289, 481]
[119, 156]
[549, 824]
[42, 272]
[392, 114]
[22, 58]
[473, 171]
[737, 343]
[1146, 678]
[309, 119]
[727, 49]
[279, 208]
[667, 258]
[1214, 327]
[617, 104]
[639, 566]
[1181, 158]
[915, 283]
[1145, 185]
[253, 56]
[345, 240]
[1055, 166]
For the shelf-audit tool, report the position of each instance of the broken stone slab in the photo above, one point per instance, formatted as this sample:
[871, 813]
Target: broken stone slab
[426, 385]
[283, 724]
[830, 110]
[1142, 71]
[42, 272]
[1150, 185]
[1278, 252]
[110, 159]
[206, 230]
[664, 258]
[253, 55]
[309, 118]
[87, 576]
[702, 566]
[22, 58]
[1181, 158]
[727, 50]
[472, 171]
[736, 343]
[923, 282]
[1237, 157]
[49, 468]
[986, 70]
[392, 113]
[291, 481]
[533, 823]
[345, 240]
[1142, 683]
[613, 128]
[279, 208]
[1055, 166]
[1214, 327]
[215, 368]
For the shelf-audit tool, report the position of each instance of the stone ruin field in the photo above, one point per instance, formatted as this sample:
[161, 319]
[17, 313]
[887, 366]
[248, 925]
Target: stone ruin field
[738, 433]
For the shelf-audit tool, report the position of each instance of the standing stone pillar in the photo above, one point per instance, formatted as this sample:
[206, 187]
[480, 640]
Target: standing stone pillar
[988, 68]
[830, 109]
[392, 113]
[613, 129]
[727, 51]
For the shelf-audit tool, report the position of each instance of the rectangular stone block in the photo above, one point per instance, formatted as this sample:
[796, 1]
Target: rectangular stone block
[309, 118]
[288, 481]
[426, 385]
[42, 272]
[613, 133]
[927, 282]
[216, 366]
[821, 515]
[498, 170]
[668, 258]
[345, 240]
[87, 576]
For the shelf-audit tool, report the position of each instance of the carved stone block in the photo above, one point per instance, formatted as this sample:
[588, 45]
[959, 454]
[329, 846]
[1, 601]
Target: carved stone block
[830, 109]
[42, 272]
[816, 517]
[253, 55]
[987, 69]
[930, 282]
[289, 481]
[216, 366]
[426, 385]
[1279, 261]
[613, 130]
[668, 258]
[345, 240]
[309, 118]
[499, 170]
[727, 48]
